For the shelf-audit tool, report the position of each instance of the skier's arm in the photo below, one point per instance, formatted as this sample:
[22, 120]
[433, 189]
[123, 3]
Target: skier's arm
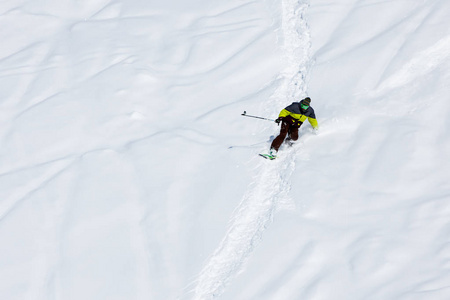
[312, 119]
[313, 123]
[284, 113]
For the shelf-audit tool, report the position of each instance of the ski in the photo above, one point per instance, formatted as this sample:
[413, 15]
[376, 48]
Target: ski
[267, 156]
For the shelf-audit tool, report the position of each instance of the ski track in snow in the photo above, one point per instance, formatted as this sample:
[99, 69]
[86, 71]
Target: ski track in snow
[273, 180]
[114, 180]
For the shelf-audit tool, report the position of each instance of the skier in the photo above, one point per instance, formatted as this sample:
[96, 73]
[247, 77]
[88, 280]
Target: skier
[291, 118]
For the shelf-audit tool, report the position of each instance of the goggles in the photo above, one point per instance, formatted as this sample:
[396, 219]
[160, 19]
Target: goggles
[304, 106]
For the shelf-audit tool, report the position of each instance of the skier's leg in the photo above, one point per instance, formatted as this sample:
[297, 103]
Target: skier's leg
[288, 137]
[276, 143]
[294, 133]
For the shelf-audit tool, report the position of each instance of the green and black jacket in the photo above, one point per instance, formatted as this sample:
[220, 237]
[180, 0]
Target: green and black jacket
[294, 111]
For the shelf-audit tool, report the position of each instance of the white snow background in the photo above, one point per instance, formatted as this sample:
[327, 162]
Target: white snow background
[128, 172]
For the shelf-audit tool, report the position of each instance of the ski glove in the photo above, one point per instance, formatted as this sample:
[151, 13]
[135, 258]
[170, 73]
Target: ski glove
[279, 120]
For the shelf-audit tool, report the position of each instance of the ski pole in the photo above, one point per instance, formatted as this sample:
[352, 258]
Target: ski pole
[245, 115]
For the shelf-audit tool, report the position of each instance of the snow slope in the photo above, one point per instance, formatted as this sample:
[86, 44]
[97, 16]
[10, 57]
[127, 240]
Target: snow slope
[127, 172]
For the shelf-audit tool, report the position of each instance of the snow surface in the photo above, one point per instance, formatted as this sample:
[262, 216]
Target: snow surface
[127, 171]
